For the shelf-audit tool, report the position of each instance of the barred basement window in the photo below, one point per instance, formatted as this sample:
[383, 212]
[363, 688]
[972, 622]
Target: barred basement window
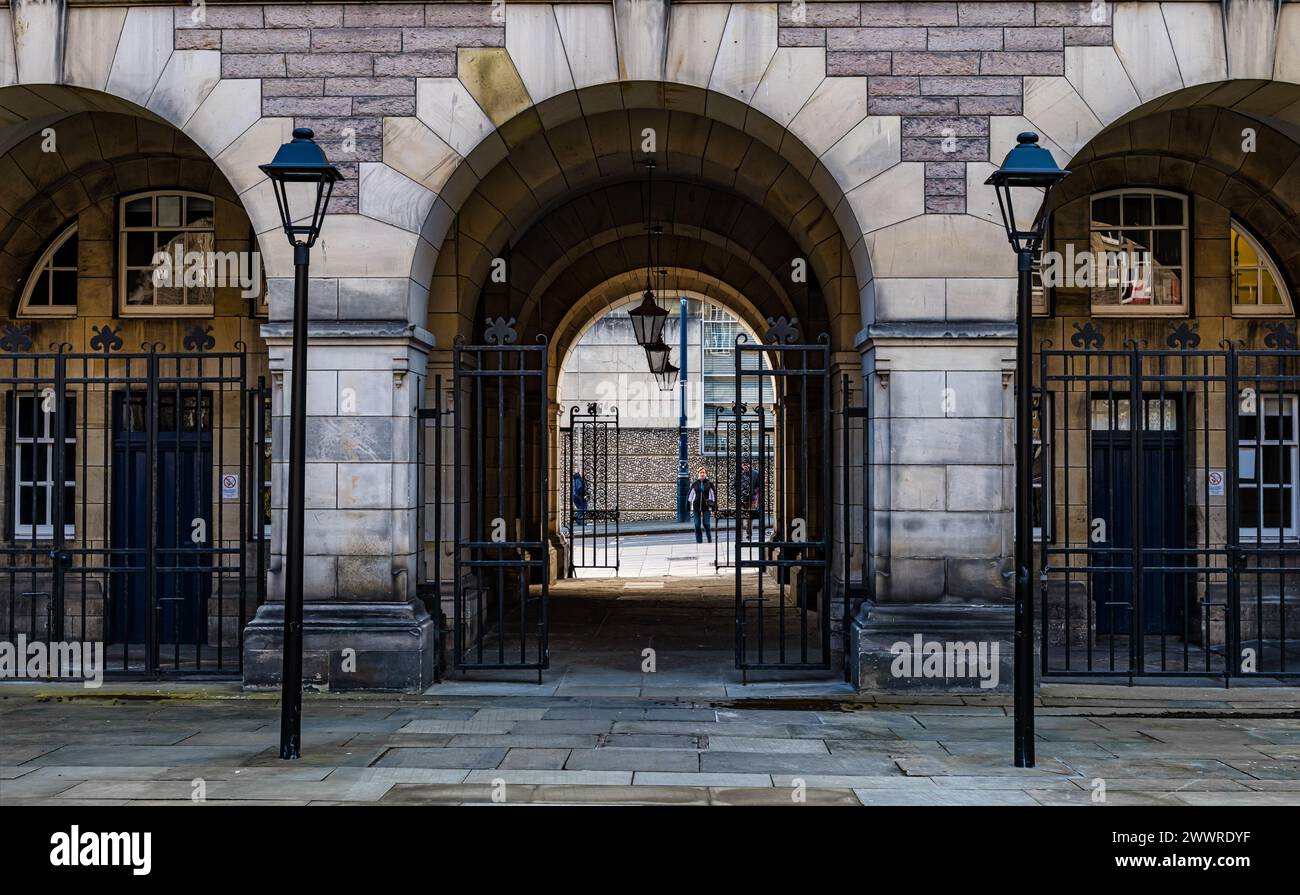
[1138, 241]
[1257, 285]
[51, 288]
[1267, 466]
[31, 449]
[173, 223]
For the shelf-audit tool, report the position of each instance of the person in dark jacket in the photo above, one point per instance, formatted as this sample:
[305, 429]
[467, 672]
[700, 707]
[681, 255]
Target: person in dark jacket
[579, 496]
[703, 500]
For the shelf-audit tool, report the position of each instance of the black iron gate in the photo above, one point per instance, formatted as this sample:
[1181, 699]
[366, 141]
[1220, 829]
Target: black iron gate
[857, 470]
[501, 514]
[735, 435]
[593, 452]
[1167, 519]
[783, 551]
[136, 501]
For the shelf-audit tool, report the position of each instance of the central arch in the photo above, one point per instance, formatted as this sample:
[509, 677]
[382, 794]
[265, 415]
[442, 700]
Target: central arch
[539, 218]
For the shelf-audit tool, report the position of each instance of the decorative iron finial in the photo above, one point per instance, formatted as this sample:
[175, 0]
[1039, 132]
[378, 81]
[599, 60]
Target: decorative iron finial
[16, 338]
[199, 338]
[1088, 336]
[1183, 335]
[781, 330]
[1280, 336]
[501, 331]
[106, 338]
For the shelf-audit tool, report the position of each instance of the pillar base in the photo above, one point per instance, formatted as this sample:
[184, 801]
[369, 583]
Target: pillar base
[346, 646]
[885, 657]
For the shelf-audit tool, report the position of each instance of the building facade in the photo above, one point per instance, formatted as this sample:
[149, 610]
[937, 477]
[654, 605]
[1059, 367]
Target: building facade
[820, 172]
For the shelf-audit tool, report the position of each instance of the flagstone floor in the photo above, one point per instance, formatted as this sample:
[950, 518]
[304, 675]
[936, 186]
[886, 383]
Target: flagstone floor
[602, 728]
[172, 743]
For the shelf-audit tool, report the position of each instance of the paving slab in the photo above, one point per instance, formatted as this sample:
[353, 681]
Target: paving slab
[632, 760]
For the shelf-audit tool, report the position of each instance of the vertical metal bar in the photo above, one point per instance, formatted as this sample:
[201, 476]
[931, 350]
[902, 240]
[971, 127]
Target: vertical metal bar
[1024, 609]
[1137, 434]
[291, 694]
[845, 517]
[57, 478]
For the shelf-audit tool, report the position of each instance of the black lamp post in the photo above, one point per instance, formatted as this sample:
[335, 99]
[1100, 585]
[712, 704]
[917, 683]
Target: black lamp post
[299, 161]
[1028, 165]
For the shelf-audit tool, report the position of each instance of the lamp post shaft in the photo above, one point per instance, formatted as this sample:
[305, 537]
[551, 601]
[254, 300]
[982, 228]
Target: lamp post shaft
[683, 463]
[1024, 499]
[291, 694]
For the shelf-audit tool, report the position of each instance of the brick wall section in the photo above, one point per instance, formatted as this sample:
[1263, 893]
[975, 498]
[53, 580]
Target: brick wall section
[944, 68]
[335, 67]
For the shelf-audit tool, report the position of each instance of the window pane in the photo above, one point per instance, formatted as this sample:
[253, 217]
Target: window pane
[26, 462]
[1249, 508]
[69, 504]
[26, 504]
[1246, 287]
[1169, 247]
[1270, 295]
[139, 287]
[139, 249]
[1137, 210]
[1168, 286]
[170, 296]
[167, 239]
[1276, 425]
[66, 254]
[169, 211]
[41, 291]
[65, 288]
[1247, 426]
[1169, 211]
[139, 212]
[41, 511]
[1272, 500]
[42, 463]
[1105, 212]
[198, 212]
[1276, 464]
[1243, 253]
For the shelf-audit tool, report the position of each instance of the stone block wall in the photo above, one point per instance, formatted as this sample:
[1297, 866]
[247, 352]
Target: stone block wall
[944, 69]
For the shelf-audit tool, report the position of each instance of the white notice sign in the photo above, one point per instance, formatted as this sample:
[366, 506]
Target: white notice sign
[1216, 482]
[230, 487]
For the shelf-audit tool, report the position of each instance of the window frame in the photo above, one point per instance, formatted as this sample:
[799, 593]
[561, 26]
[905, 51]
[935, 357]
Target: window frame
[45, 264]
[1279, 535]
[1147, 310]
[123, 269]
[1286, 308]
[34, 531]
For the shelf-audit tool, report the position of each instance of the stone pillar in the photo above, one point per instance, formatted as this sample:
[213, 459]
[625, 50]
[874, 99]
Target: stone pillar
[943, 509]
[364, 625]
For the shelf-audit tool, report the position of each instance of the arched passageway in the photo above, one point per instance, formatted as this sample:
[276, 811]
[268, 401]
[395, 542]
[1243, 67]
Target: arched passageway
[554, 230]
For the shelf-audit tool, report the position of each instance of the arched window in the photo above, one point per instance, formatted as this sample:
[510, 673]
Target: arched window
[167, 239]
[51, 288]
[1138, 241]
[1257, 285]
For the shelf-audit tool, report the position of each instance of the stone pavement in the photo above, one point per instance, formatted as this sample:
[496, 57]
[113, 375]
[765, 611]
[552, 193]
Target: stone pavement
[666, 554]
[146, 743]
